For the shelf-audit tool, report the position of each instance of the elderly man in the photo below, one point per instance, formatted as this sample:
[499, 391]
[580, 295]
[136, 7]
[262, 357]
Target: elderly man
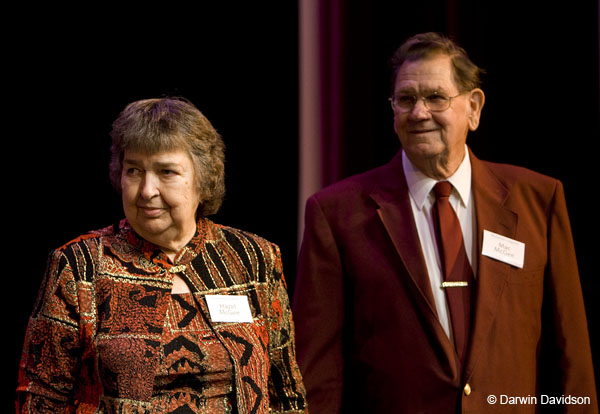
[439, 283]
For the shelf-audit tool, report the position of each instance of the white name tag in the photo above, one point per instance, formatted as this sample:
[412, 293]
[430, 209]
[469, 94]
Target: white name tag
[503, 248]
[228, 308]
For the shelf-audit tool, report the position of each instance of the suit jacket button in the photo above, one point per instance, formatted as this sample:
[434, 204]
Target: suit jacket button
[467, 390]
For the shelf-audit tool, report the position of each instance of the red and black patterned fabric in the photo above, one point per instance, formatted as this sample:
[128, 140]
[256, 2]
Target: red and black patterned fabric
[195, 373]
[94, 340]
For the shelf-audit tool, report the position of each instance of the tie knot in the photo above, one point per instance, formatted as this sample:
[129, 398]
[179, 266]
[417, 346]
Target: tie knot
[442, 189]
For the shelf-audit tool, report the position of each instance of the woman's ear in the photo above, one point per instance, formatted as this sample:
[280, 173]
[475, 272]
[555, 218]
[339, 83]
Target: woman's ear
[476, 102]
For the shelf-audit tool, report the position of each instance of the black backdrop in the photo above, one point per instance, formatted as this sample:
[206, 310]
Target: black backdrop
[69, 73]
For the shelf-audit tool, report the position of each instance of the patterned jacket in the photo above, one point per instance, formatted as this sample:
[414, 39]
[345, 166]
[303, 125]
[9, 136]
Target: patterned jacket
[92, 343]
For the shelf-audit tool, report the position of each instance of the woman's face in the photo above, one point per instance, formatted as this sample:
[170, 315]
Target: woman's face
[160, 197]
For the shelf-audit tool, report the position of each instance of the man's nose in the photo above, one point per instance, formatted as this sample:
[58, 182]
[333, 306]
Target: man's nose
[419, 111]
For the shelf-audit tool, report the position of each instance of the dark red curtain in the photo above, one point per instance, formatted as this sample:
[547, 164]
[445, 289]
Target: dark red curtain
[321, 87]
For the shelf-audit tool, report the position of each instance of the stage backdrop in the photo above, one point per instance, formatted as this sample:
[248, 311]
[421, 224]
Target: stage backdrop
[68, 74]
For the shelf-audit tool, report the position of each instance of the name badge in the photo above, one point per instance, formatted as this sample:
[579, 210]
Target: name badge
[229, 308]
[503, 248]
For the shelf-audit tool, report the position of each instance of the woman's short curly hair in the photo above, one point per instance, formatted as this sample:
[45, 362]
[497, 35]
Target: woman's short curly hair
[151, 126]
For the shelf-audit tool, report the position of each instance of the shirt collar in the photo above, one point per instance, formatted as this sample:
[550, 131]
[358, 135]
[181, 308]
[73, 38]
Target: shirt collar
[205, 231]
[420, 185]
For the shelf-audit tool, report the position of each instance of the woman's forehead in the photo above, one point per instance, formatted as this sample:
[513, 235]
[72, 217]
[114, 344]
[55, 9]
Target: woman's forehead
[169, 157]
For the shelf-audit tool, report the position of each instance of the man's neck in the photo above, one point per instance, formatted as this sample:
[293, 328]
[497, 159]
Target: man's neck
[439, 167]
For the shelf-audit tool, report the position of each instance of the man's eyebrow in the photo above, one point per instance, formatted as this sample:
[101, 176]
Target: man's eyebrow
[425, 91]
[409, 90]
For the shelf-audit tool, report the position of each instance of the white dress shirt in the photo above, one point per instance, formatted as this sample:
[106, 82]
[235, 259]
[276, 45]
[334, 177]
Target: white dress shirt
[421, 202]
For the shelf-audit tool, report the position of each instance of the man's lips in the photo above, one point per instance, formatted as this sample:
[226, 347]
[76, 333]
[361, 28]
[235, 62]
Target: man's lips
[422, 131]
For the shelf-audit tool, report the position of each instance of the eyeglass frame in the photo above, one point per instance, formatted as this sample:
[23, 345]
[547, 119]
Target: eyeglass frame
[424, 99]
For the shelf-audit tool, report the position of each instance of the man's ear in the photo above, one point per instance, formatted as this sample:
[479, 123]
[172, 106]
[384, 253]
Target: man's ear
[476, 102]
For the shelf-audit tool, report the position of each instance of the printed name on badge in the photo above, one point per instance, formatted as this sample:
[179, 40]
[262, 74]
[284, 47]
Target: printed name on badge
[229, 308]
[503, 248]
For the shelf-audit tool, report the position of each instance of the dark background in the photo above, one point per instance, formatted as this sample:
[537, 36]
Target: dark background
[69, 72]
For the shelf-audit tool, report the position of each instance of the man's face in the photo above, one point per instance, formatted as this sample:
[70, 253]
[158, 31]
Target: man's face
[426, 135]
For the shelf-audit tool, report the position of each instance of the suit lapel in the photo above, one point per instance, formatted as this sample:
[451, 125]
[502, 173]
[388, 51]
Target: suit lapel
[395, 212]
[490, 194]
[491, 214]
[392, 198]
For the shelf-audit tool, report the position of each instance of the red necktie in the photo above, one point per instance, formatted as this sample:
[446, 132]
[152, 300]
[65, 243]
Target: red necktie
[458, 275]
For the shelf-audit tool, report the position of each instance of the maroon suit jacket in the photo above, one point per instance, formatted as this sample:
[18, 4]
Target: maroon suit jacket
[368, 336]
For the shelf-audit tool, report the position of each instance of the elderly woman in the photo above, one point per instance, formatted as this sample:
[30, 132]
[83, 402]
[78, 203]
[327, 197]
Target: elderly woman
[166, 311]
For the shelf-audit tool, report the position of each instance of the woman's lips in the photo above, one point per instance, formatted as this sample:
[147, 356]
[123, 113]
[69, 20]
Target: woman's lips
[151, 211]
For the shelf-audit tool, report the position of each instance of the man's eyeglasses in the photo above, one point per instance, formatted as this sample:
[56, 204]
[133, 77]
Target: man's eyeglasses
[433, 102]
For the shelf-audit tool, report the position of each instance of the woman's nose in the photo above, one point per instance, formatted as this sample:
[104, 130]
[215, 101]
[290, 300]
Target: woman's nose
[149, 186]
